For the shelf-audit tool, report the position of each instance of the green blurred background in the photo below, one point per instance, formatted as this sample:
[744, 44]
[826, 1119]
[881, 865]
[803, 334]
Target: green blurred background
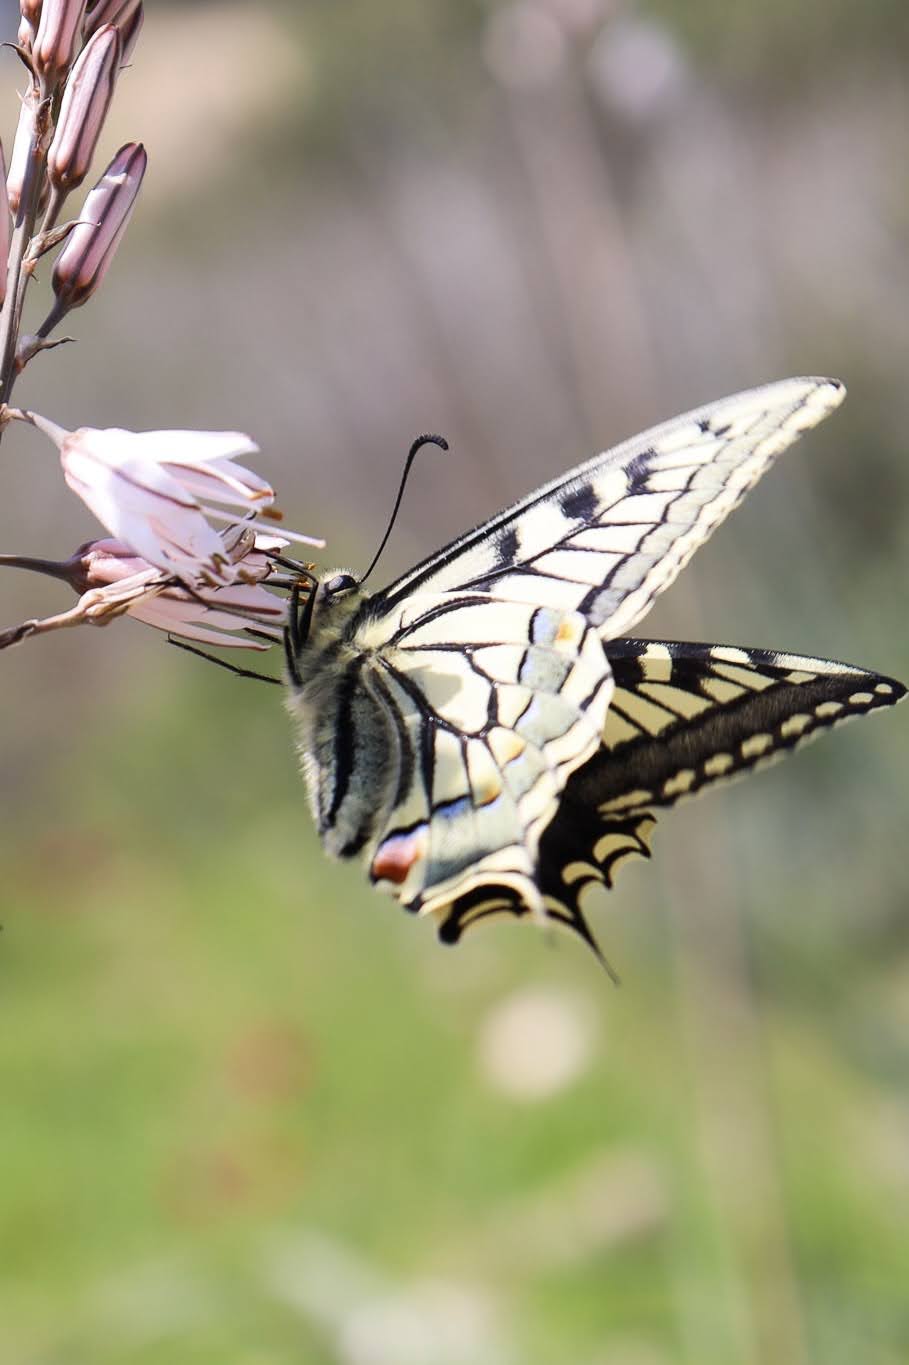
[251, 1114]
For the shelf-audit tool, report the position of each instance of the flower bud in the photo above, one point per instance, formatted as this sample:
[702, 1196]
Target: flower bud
[59, 31]
[31, 13]
[130, 28]
[25, 144]
[97, 563]
[86, 99]
[90, 247]
[100, 12]
[4, 225]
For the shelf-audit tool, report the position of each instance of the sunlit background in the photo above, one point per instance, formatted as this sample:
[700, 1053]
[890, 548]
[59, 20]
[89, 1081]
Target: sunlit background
[251, 1113]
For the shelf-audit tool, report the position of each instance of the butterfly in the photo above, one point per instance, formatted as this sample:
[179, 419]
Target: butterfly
[484, 735]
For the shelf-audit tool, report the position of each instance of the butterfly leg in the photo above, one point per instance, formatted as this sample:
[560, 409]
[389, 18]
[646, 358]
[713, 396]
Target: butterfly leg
[296, 631]
[222, 663]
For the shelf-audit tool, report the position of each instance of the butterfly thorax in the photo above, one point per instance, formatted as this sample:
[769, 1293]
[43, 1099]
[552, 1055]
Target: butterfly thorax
[326, 701]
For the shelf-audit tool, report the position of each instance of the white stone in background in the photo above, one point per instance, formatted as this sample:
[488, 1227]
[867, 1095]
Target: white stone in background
[435, 1321]
[372, 1319]
[629, 1352]
[637, 69]
[536, 1042]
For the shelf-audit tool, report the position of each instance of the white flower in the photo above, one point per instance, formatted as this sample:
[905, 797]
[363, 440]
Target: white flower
[145, 487]
[113, 581]
[112, 578]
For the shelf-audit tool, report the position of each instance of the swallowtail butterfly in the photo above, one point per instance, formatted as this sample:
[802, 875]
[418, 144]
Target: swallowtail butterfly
[483, 735]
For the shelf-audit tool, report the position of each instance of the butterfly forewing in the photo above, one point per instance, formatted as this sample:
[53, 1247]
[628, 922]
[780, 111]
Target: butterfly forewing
[607, 537]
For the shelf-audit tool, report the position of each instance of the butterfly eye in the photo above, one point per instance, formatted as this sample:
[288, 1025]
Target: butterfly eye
[340, 582]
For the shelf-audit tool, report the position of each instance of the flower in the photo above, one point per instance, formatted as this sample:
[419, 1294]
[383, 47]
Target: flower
[145, 487]
[110, 571]
[112, 581]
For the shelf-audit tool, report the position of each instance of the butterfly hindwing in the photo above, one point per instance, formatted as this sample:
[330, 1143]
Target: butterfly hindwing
[501, 702]
[683, 717]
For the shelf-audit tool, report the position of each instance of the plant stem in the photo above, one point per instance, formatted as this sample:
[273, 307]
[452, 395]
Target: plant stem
[16, 278]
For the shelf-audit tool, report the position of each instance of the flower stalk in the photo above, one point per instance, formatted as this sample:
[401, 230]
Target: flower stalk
[161, 495]
[73, 53]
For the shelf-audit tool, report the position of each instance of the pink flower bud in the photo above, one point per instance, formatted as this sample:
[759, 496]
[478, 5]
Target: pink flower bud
[98, 563]
[24, 146]
[86, 99]
[90, 247]
[127, 16]
[4, 225]
[130, 28]
[59, 31]
[119, 12]
[31, 13]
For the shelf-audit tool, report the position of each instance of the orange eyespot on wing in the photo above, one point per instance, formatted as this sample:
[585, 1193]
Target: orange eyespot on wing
[397, 855]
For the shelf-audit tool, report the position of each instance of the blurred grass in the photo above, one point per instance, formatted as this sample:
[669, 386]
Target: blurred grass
[216, 1048]
[248, 1111]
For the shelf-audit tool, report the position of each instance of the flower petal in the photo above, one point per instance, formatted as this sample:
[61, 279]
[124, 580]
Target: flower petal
[180, 614]
[153, 613]
[223, 481]
[148, 509]
[190, 447]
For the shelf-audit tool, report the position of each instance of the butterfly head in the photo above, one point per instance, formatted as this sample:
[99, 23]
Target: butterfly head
[336, 596]
[320, 613]
[335, 586]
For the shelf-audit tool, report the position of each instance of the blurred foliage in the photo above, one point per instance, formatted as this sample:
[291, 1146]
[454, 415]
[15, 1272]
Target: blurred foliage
[777, 43]
[251, 1116]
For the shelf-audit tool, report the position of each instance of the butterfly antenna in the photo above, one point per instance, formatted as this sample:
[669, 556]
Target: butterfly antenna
[427, 440]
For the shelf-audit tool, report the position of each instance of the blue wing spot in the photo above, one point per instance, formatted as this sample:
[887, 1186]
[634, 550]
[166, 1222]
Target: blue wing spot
[451, 810]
